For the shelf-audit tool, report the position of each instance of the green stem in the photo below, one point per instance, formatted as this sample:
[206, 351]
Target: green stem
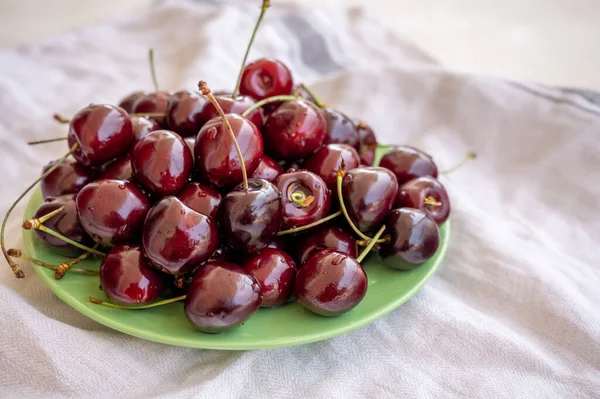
[69, 241]
[364, 253]
[64, 267]
[467, 158]
[35, 223]
[18, 254]
[152, 70]
[308, 226]
[340, 176]
[268, 101]
[313, 96]
[148, 306]
[46, 141]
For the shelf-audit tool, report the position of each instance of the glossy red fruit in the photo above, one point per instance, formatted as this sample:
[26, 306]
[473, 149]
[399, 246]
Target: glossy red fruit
[426, 194]
[332, 237]
[142, 126]
[155, 102]
[330, 283]
[178, 239]
[68, 178]
[77, 153]
[368, 143]
[275, 271]
[328, 160]
[305, 198]
[266, 78]
[127, 102]
[65, 223]
[369, 194]
[340, 129]
[119, 169]
[112, 211]
[221, 297]
[185, 112]
[202, 198]
[408, 163]
[414, 239]
[217, 160]
[162, 163]
[103, 132]
[267, 169]
[231, 106]
[127, 279]
[294, 130]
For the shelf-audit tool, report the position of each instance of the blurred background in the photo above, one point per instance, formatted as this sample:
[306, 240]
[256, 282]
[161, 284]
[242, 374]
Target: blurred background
[555, 42]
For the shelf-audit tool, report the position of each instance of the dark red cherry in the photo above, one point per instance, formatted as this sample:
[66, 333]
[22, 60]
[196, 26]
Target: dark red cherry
[275, 271]
[142, 126]
[251, 219]
[103, 132]
[266, 78]
[328, 160]
[330, 283]
[426, 194]
[112, 211]
[305, 198]
[414, 239]
[368, 143]
[155, 102]
[127, 279]
[267, 169]
[231, 106]
[162, 162]
[369, 194]
[294, 130]
[332, 237]
[340, 129]
[184, 112]
[202, 198]
[176, 238]
[408, 163]
[119, 169]
[77, 153]
[217, 160]
[127, 102]
[65, 223]
[222, 296]
[68, 178]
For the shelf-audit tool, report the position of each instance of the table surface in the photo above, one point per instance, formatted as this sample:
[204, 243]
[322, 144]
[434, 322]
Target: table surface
[548, 41]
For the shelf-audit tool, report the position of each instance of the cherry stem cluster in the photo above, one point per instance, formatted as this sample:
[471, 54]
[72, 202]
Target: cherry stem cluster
[17, 253]
[372, 243]
[65, 266]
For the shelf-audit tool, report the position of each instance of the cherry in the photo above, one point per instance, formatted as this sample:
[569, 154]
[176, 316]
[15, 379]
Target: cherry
[66, 223]
[368, 143]
[332, 237]
[267, 169]
[151, 103]
[112, 211]
[119, 169]
[176, 238]
[305, 198]
[185, 112]
[340, 129]
[68, 178]
[222, 296]
[408, 163]
[162, 162]
[77, 153]
[294, 130]
[127, 102]
[233, 106]
[426, 194]
[330, 283]
[275, 272]
[369, 194]
[328, 160]
[266, 78]
[127, 279]
[414, 239]
[142, 126]
[202, 198]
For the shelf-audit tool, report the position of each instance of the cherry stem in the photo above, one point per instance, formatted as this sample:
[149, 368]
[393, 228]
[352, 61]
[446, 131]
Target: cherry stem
[46, 141]
[308, 226]
[61, 119]
[431, 201]
[313, 96]
[36, 223]
[16, 253]
[152, 70]
[299, 198]
[364, 243]
[467, 158]
[148, 306]
[149, 114]
[206, 91]
[268, 100]
[13, 265]
[68, 240]
[369, 247]
[266, 4]
[65, 266]
[340, 176]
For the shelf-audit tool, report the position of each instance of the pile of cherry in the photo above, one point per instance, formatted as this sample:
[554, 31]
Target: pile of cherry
[234, 201]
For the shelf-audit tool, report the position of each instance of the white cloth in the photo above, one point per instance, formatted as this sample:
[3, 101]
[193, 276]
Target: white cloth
[512, 312]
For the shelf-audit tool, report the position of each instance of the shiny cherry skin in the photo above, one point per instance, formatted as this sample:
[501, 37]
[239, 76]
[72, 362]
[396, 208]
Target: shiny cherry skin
[191, 143]
[294, 130]
[267, 169]
[340, 129]
[112, 211]
[119, 169]
[368, 143]
[275, 271]
[231, 106]
[408, 163]
[332, 237]
[77, 153]
[155, 102]
[176, 238]
[202, 198]
[68, 178]
[184, 112]
[103, 132]
[369, 193]
[142, 126]
[328, 160]
[162, 163]
[414, 239]
[127, 279]
[65, 223]
[217, 160]
[250, 220]
[127, 102]
[305, 198]
[414, 194]
[221, 297]
[266, 78]
[330, 283]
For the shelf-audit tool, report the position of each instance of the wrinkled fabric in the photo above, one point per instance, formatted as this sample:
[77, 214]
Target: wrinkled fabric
[512, 311]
